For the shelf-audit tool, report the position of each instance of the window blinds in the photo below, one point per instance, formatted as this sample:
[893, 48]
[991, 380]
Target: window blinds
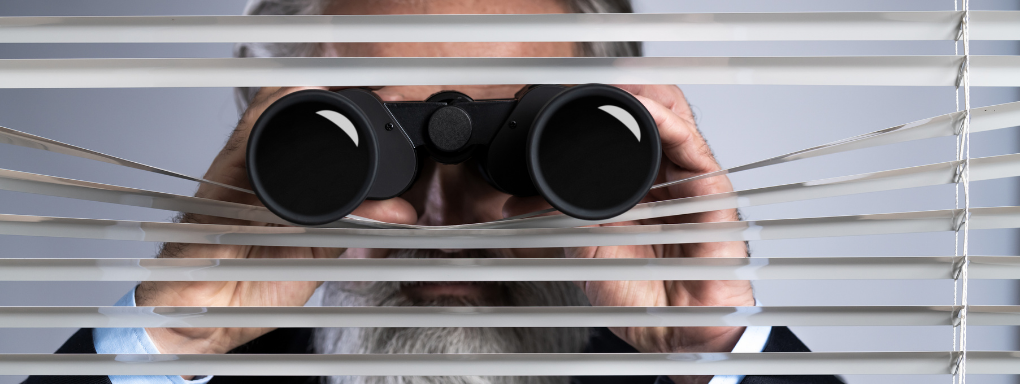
[963, 70]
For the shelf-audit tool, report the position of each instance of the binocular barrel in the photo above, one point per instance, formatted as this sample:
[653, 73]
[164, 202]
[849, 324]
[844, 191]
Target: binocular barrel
[592, 151]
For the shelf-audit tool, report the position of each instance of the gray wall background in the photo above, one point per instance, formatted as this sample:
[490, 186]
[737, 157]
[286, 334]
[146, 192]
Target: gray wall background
[183, 129]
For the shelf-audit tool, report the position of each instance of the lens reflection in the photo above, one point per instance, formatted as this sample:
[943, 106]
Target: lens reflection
[592, 156]
[309, 161]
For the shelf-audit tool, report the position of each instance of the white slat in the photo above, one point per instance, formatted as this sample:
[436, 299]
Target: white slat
[85, 190]
[497, 364]
[934, 174]
[986, 71]
[23, 139]
[421, 317]
[926, 175]
[939, 25]
[982, 119]
[524, 269]
[906, 222]
[889, 223]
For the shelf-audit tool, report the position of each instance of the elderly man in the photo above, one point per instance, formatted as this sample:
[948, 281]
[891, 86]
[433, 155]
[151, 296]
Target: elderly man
[446, 195]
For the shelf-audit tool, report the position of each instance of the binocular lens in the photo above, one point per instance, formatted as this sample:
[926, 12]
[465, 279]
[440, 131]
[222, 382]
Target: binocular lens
[313, 157]
[594, 152]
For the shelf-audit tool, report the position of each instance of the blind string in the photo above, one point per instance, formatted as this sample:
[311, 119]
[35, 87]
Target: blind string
[956, 205]
[966, 188]
[963, 155]
[956, 190]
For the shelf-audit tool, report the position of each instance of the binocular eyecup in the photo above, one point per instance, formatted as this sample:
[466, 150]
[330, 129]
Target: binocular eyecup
[592, 151]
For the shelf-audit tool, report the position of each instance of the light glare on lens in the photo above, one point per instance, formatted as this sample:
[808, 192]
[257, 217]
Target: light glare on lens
[624, 117]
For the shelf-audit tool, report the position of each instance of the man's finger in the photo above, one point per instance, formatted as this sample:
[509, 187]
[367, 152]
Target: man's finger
[262, 100]
[229, 165]
[681, 142]
[668, 95]
[395, 210]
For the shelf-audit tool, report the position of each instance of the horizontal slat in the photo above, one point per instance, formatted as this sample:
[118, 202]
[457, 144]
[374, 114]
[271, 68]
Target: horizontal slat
[907, 222]
[994, 25]
[57, 186]
[889, 223]
[993, 363]
[497, 364]
[23, 139]
[460, 269]
[994, 267]
[990, 71]
[523, 269]
[85, 190]
[320, 317]
[939, 25]
[995, 71]
[982, 119]
[934, 174]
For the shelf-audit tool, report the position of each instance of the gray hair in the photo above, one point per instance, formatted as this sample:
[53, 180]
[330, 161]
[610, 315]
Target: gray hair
[244, 95]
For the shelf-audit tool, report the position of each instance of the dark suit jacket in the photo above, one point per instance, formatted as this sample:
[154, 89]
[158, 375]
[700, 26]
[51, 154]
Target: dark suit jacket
[298, 340]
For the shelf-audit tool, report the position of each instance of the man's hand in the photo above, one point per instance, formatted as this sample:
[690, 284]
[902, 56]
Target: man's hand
[685, 154]
[229, 168]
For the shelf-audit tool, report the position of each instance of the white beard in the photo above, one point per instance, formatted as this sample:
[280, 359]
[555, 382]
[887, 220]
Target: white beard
[450, 340]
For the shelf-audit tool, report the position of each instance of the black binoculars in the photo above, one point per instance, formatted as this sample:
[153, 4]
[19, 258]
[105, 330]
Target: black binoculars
[592, 151]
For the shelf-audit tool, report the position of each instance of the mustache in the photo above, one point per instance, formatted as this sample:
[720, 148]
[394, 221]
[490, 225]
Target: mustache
[438, 254]
[496, 293]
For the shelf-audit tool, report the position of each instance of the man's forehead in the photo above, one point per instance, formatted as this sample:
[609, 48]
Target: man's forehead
[502, 49]
[421, 92]
[394, 7]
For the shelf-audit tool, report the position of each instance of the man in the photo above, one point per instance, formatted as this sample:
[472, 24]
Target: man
[448, 195]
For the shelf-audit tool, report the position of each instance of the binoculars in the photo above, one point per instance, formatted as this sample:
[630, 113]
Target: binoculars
[592, 151]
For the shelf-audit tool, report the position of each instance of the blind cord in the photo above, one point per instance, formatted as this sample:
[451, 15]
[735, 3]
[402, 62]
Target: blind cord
[966, 188]
[963, 155]
[956, 190]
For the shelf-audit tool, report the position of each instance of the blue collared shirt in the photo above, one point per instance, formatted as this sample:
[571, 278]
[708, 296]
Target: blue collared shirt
[134, 340]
